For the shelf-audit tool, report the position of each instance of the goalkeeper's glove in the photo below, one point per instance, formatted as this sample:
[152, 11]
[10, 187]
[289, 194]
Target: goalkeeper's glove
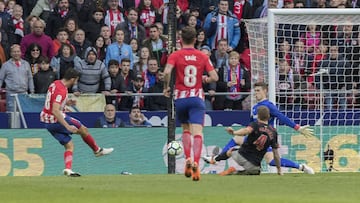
[306, 131]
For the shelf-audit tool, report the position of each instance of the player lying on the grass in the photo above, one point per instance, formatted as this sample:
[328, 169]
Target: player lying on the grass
[261, 90]
[260, 137]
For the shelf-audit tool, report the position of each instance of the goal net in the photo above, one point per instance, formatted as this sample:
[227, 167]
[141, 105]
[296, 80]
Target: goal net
[311, 60]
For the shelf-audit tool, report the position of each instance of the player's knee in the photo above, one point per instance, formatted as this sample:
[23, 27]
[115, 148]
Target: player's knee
[83, 130]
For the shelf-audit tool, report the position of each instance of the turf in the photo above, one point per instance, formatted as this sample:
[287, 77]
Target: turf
[290, 188]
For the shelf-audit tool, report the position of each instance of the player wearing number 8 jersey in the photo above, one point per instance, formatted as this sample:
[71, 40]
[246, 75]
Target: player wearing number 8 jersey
[190, 64]
[61, 126]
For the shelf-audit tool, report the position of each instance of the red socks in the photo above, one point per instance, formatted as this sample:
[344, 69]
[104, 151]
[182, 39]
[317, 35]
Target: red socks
[197, 147]
[186, 139]
[68, 157]
[89, 140]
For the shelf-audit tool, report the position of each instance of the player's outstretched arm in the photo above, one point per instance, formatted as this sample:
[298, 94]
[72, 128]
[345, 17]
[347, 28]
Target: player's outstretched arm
[240, 132]
[306, 131]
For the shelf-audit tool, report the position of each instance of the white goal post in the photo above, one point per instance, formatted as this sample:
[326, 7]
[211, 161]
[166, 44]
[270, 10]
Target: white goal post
[325, 91]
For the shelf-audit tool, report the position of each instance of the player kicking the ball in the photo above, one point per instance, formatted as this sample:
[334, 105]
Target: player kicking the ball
[190, 64]
[61, 126]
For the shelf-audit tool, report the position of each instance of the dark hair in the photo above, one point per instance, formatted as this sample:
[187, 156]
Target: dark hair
[71, 73]
[113, 62]
[44, 59]
[28, 56]
[62, 47]
[62, 29]
[134, 107]
[188, 34]
[263, 113]
[125, 60]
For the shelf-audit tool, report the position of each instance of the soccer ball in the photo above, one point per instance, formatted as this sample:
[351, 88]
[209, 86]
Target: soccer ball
[174, 148]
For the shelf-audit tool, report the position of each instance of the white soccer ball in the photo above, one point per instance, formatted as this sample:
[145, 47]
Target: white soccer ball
[174, 148]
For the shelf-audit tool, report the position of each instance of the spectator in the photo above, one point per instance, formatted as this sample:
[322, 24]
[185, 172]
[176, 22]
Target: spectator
[109, 119]
[284, 84]
[348, 42]
[132, 28]
[222, 24]
[117, 82]
[261, 11]
[161, 30]
[62, 36]
[127, 4]
[192, 21]
[334, 80]
[157, 45]
[220, 55]
[119, 49]
[114, 15]
[83, 10]
[311, 38]
[157, 103]
[16, 73]
[208, 87]
[137, 119]
[315, 61]
[299, 58]
[6, 20]
[232, 78]
[200, 39]
[134, 43]
[44, 77]
[100, 48]
[58, 17]
[289, 4]
[284, 51]
[208, 6]
[92, 28]
[80, 43]
[28, 6]
[40, 37]
[299, 4]
[150, 75]
[43, 9]
[3, 57]
[105, 32]
[71, 26]
[65, 59]
[136, 86]
[93, 72]
[28, 24]
[195, 11]
[127, 74]
[32, 56]
[18, 22]
[147, 15]
[142, 66]
[242, 9]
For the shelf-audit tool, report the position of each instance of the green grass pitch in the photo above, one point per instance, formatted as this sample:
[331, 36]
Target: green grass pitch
[290, 188]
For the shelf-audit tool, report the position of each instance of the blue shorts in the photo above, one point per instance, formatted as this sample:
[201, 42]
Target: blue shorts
[59, 132]
[190, 110]
[269, 149]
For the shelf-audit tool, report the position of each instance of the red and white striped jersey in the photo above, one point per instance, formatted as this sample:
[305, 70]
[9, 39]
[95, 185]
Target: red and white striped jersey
[57, 93]
[189, 65]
